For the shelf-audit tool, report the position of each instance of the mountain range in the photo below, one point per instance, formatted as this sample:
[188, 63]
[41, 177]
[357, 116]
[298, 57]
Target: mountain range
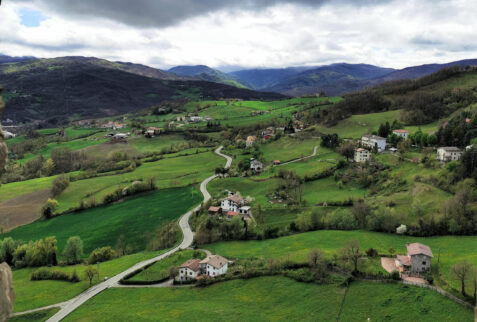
[57, 89]
[54, 89]
[334, 79]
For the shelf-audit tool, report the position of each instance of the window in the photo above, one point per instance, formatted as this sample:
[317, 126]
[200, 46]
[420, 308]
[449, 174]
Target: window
[424, 263]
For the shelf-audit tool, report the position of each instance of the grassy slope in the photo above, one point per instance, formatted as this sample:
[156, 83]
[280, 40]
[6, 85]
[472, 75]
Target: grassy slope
[172, 172]
[268, 299]
[102, 226]
[34, 294]
[358, 125]
[288, 148]
[453, 248]
[264, 299]
[382, 302]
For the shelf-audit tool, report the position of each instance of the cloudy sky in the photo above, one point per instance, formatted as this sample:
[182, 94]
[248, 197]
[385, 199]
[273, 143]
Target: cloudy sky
[248, 33]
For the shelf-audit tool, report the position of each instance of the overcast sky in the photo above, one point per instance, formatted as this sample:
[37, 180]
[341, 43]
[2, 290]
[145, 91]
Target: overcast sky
[248, 33]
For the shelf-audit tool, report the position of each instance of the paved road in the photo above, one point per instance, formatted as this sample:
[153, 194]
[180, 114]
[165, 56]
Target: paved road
[74, 303]
[315, 149]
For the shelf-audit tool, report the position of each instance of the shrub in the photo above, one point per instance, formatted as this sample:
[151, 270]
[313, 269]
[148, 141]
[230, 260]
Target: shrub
[49, 208]
[44, 273]
[372, 252]
[429, 278]
[101, 255]
[59, 185]
[396, 276]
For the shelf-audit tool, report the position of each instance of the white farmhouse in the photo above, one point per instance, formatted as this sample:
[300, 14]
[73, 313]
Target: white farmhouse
[214, 265]
[417, 260]
[189, 270]
[250, 141]
[362, 155]
[402, 133]
[372, 141]
[245, 211]
[232, 203]
[447, 154]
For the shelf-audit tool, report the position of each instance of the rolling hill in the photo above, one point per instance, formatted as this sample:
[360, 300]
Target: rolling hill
[206, 73]
[8, 59]
[335, 79]
[58, 89]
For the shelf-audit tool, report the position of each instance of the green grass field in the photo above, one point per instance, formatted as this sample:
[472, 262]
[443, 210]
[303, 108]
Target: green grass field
[160, 269]
[288, 148]
[271, 299]
[169, 172]
[102, 226]
[358, 125]
[156, 144]
[452, 248]
[264, 299]
[34, 294]
[386, 302]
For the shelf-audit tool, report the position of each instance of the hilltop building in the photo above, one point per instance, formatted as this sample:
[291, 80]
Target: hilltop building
[362, 155]
[374, 141]
[402, 133]
[447, 154]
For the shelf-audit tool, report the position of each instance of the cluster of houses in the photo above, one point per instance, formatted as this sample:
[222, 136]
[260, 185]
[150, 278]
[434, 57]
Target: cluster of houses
[114, 125]
[376, 143]
[232, 206]
[211, 266]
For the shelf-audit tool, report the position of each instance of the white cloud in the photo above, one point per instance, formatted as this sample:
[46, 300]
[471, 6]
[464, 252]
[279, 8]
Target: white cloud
[393, 34]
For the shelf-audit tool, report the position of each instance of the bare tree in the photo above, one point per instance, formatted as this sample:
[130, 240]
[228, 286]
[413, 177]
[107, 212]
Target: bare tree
[352, 253]
[314, 257]
[462, 272]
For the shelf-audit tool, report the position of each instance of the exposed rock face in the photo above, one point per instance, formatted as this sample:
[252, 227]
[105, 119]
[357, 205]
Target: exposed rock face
[3, 146]
[7, 296]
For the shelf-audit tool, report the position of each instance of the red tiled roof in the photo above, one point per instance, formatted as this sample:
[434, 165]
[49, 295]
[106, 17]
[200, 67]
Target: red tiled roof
[401, 131]
[418, 249]
[404, 260]
[193, 264]
[214, 209]
[232, 214]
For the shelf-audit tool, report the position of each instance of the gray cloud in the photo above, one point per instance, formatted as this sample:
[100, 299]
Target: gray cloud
[163, 13]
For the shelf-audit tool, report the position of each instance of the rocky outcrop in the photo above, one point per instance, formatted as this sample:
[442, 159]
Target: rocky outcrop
[3, 146]
[7, 296]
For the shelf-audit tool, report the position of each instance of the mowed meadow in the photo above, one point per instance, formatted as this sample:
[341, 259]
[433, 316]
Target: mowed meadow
[102, 226]
[273, 299]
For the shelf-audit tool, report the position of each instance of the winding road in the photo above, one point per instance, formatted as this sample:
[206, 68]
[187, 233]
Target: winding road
[188, 237]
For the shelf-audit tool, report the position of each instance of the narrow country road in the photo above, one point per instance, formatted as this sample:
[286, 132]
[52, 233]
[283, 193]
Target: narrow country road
[315, 150]
[71, 305]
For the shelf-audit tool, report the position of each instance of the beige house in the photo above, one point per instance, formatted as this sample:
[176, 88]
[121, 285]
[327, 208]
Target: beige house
[447, 154]
[250, 141]
[362, 155]
[214, 265]
[417, 260]
[402, 133]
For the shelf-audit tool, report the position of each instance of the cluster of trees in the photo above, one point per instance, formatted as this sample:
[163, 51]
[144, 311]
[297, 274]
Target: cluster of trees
[289, 187]
[330, 141]
[210, 230]
[63, 160]
[165, 236]
[459, 131]
[45, 273]
[42, 252]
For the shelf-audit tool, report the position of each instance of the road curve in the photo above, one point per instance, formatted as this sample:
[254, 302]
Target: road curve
[188, 237]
